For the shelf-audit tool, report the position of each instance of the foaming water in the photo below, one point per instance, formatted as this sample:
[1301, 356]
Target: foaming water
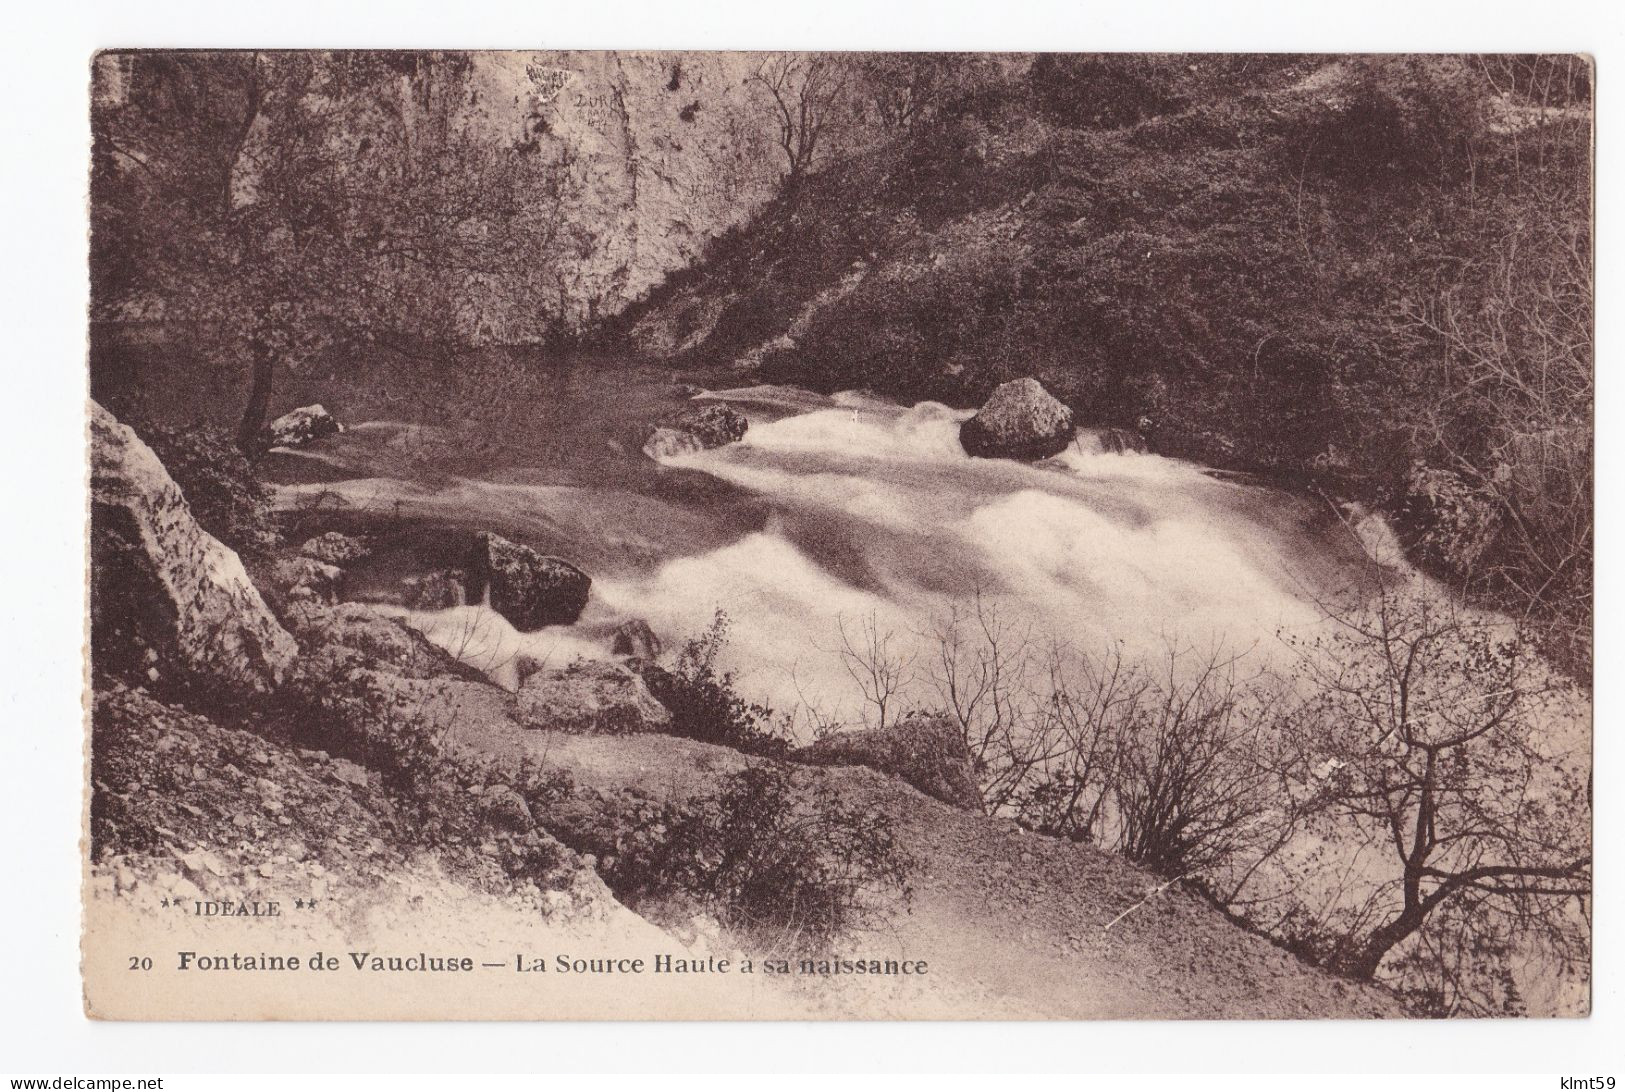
[487, 641]
[845, 512]
[842, 520]
[883, 523]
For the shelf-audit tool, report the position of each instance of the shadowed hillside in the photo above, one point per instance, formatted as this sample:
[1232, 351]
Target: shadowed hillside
[1369, 275]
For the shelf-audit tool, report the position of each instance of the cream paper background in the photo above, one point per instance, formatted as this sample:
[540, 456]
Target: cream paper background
[47, 57]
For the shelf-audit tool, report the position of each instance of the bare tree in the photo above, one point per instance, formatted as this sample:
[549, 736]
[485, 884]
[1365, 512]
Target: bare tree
[904, 87]
[1179, 766]
[1433, 724]
[1062, 778]
[804, 88]
[983, 676]
[874, 662]
[910, 90]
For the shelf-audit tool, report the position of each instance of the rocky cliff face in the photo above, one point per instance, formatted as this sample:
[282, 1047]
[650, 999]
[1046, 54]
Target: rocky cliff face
[668, 150]
[165, 591]
[661, 152]
[653, 155]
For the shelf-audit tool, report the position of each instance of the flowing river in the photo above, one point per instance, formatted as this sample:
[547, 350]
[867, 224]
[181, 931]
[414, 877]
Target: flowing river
[836, 522]
[849, 524]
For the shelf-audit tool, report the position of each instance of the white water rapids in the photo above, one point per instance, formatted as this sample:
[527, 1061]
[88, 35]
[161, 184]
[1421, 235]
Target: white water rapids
[868, 517]
[845, 520]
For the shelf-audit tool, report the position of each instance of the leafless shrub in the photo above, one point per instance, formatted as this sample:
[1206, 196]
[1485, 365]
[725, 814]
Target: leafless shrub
[983, 673]
[880, 668]
[1176, 766]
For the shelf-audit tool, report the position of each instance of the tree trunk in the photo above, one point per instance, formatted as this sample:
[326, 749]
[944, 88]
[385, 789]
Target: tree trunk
[259, 399]
[1365, 960]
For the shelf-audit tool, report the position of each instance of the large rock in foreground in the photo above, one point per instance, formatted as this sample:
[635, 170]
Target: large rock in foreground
[591, 697]
[1021, 420]
[927, 752]
[528, 588]
[374, 635]
[160, 581]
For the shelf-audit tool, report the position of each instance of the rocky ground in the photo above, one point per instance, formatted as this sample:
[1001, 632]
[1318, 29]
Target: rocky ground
[385, 796]
[1048, 928]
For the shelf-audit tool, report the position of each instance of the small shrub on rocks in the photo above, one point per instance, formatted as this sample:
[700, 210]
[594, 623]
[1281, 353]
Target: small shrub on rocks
[769, 860]
[704, 704]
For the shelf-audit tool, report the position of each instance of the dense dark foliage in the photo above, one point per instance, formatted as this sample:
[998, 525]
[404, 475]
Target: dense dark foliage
[298, 209]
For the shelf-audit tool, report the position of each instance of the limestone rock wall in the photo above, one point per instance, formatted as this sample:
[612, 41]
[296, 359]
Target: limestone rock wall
[669, 150]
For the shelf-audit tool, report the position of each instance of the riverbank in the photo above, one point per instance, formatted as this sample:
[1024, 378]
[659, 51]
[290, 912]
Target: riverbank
[376, 762]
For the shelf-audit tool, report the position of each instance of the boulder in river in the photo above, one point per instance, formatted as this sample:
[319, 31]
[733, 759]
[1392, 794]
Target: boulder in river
[299, 427]
[716, 424]
[591, 697]
[336, 548]
[1113, 440]
[1020, 420]
[699, 429]
[434, 591]
[666, 442]
[928, 752]
[293, 579]
[162, 584]
[634, 638]
[526, 587]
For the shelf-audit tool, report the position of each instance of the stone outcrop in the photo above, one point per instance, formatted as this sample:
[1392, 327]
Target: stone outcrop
[293, 579]
[299, 427]
[716, 424]
[667, 442]
[591, 697]
[366, 630]
[1450, 522]
[337, 549]
[434, 591]
[926, 752]
[526, 587]
[165, 589]
[1021, 420]
[1114, 440]
[635, 639]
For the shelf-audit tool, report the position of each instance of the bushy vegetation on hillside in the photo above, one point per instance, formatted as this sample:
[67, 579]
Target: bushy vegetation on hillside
[704, 703]
[789, 867]
[1374, 271]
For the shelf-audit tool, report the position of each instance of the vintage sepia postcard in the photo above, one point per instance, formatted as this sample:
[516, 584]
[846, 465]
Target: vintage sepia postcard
[714, 536]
